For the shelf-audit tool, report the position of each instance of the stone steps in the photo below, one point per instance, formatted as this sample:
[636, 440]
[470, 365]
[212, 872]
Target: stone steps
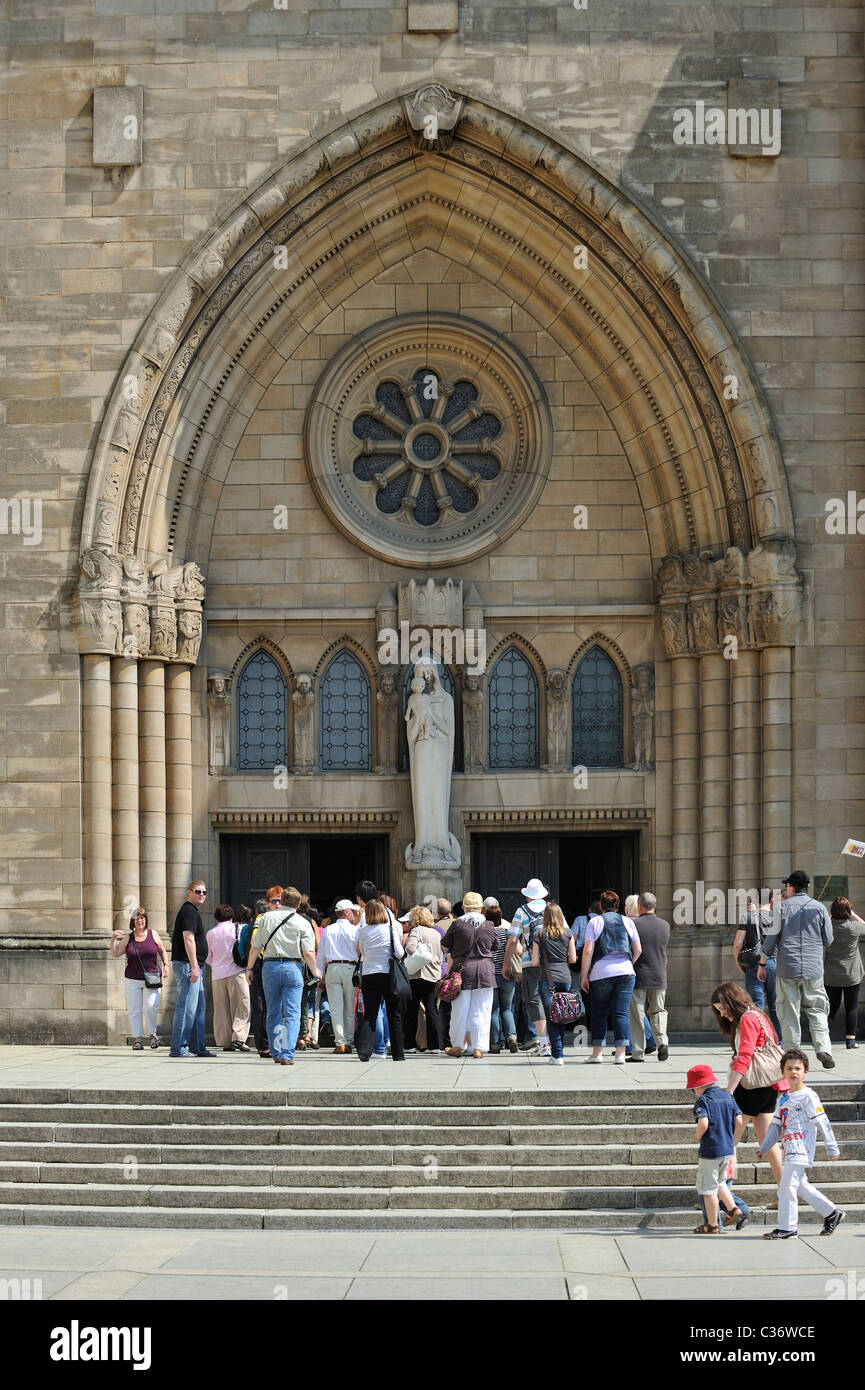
[380, 1160]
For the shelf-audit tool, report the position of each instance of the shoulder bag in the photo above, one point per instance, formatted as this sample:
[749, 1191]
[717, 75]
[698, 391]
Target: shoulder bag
[152, 978]
[565, 1007]
[421, 956]
[448, 988]
[765, 1067]
[399, 983]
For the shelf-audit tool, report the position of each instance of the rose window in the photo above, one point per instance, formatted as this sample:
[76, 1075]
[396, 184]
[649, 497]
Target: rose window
[427, 447]
[427, 439]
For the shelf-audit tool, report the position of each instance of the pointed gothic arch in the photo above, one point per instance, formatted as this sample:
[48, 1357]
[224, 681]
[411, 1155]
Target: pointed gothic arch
[708, 470]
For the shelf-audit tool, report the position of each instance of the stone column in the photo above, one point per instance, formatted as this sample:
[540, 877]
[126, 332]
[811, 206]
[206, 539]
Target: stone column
[745, 771]
[96, 792]
[663, 866]
[686, 773]
[178, 764]
[124, 757]
[715, 770]
[777, 764]
[151, 755]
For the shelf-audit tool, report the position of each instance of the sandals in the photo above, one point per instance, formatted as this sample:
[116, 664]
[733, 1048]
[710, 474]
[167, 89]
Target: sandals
[154, 1041]
[138, 1045]
[300, 1047]
[707, 1230]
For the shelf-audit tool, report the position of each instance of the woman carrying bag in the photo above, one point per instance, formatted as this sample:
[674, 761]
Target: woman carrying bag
[144, 976]
[424, 942]
[471, 941]
[380, 949]
[554, 950]
[755, 1071]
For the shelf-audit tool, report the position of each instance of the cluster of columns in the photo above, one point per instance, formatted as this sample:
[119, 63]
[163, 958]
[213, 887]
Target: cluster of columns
[137, 787]
[724, 759]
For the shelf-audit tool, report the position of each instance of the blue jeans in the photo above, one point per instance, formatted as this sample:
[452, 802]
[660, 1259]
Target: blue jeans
[283, 987]
[555, 1032]
[186, 1008]
[764, 995]
[382, 1033]
[611, 996]
[502, 1024]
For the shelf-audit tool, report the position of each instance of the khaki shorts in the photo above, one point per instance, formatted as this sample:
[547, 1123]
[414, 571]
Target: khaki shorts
[531, 994]
[711, 1172]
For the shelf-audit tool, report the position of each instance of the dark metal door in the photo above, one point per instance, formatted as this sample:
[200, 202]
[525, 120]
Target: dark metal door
[250, 864]
[503, 864]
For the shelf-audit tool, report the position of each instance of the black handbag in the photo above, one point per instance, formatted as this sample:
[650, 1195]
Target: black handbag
[152, 978]
[399, 982]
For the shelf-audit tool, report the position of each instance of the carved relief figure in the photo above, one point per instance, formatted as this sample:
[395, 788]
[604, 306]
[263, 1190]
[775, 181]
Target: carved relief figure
[303, 700]
[703, 626]
[387, 700]
[674, 631]
[473, 724]
[189, 634]
[643, 709]
[557, 720]
[163, 632]
[219, 708]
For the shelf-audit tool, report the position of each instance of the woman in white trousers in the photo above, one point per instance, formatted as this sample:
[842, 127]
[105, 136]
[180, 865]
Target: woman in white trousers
[470, 942]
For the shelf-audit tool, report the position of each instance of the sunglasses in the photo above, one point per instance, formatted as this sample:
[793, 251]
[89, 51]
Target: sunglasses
[200, 892]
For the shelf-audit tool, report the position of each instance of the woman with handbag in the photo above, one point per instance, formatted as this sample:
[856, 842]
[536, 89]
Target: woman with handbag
[470, 941]
[423, 943]
[554, 950]
[611, 948]
[380, 949]
[144, 976]
[755, 1071]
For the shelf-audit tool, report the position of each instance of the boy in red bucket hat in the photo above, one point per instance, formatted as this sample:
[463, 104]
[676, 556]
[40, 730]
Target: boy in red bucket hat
[719, 1125]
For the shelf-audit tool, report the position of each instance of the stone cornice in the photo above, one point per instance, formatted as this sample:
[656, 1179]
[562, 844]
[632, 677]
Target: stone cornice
[314, 820]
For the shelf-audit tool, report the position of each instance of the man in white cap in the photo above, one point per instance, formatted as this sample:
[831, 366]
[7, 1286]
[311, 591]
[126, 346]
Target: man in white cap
[337, 962]
[524, 928]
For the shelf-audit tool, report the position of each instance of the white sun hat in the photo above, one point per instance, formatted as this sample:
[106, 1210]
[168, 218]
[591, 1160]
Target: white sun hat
[535, 889]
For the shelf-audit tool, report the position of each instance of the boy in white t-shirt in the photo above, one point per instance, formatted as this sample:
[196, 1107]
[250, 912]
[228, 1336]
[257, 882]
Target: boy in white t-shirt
[798, 1116]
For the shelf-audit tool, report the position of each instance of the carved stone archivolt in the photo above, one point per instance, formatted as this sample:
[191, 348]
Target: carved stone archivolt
[123, 608]
[488, 181]
[754, 597]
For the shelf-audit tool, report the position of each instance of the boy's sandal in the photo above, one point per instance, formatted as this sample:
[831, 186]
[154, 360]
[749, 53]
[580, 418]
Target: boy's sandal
[300, 1047]
[706, 1230]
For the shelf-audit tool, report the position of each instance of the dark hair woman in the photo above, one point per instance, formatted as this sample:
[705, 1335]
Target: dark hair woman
[607, 974]
[143, 951]
[842, 966]
[747, 1030]
[377, 941]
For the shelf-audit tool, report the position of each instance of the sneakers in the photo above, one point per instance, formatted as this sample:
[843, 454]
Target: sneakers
[512, 1043]
[540, 1049]
[653, 1047]
[663, 1052]
[560, 1062]
[778, 1234]
[736, 1218]
[184, 1052]
[851, 1043]
[529, 1046]
[833, 1220]
[635, 1059]
[411, 1051]
[826, 1058]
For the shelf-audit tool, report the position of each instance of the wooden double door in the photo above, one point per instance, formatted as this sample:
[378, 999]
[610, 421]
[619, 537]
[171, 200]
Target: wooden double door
[575, 867]
[325, 866]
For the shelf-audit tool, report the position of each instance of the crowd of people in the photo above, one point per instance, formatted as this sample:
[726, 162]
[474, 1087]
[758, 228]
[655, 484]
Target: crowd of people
[464, 980]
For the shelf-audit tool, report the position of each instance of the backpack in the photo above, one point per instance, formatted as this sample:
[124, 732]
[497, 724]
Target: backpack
[535, 920]
[240, 949]
[756, 926]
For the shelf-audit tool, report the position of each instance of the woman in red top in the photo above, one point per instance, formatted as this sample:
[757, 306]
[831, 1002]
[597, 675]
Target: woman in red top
[747, 1030]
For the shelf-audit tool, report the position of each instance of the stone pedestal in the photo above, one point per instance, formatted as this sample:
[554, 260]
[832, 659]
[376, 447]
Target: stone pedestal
[421, 884]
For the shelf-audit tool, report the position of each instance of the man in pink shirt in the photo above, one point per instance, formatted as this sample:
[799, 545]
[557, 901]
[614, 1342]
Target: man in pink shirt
[229, 985]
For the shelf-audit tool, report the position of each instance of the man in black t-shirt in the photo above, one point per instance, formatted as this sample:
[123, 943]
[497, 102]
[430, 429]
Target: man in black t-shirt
[188, 954]
[650, 986]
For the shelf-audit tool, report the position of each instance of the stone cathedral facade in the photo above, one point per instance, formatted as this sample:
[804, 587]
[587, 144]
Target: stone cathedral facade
[398, 325]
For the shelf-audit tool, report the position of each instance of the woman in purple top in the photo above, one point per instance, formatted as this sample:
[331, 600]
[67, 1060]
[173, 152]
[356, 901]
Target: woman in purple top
[607, 965]
[143, 951]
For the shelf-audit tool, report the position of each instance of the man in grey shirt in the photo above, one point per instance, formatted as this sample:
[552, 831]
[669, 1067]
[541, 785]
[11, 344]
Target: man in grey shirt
[804, 929]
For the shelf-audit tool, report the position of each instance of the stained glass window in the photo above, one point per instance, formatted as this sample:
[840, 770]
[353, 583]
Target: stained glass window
[345, 715]
[597, 712]
[261, 715]
[513, 706]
